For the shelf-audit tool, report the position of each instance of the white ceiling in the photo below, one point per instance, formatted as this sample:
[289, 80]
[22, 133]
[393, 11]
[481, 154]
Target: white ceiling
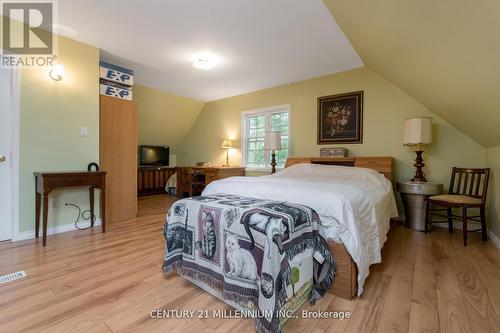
[259, 43]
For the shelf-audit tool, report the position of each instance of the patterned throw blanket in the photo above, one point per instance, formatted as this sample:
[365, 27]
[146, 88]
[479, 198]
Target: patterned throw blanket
[245, 249]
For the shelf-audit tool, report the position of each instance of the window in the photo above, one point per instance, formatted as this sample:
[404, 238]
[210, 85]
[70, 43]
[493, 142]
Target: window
[255, 125]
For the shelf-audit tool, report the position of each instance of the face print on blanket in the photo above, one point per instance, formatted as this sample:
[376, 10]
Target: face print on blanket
[274, 226]
[300, 216]
[241, 263]
[267, 285]
[179, 239]
[208, 244]
[315, 217]
[179, 209]
[231, 215]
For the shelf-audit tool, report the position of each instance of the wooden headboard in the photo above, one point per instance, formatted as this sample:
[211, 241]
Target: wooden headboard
[382, 164]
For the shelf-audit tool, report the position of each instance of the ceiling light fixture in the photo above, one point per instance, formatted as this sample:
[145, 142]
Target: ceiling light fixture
[204, 62]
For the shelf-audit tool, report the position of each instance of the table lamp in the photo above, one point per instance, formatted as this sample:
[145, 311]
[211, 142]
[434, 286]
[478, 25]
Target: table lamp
[272, 142]
[226, 144]
[418, 133]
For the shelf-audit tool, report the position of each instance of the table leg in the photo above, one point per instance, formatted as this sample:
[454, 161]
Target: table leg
[38, 205]
[103, 208]
[91, 199]
[45, 217]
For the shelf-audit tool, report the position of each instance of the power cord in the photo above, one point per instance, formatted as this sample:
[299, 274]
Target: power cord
[85, 216]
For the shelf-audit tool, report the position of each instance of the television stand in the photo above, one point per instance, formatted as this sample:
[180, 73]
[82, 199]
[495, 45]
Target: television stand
[152, 179]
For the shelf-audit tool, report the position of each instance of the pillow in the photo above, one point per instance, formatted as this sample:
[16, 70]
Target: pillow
[333, 173]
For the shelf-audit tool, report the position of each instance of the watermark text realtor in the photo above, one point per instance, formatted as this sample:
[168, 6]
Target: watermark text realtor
[27, 34]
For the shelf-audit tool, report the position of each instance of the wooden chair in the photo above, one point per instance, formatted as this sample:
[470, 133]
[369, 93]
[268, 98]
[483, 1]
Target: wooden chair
[468, 189]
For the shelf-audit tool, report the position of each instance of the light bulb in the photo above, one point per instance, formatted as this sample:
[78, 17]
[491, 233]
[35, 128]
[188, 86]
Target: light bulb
[57, 72]
[204, 62]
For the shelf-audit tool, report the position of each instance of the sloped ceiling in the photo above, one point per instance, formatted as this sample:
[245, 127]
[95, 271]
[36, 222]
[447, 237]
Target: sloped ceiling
[445, 53]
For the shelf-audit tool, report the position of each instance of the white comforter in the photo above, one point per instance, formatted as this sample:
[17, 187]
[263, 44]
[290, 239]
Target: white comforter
[354, 204]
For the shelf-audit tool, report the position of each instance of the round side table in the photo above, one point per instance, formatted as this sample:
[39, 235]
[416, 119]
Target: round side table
[414, 195]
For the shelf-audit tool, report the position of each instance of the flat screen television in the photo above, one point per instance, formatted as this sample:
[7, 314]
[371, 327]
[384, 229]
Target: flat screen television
[154, 155]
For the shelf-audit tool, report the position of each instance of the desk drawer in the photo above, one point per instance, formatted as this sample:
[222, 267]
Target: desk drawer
[73, 181]
[211, 176]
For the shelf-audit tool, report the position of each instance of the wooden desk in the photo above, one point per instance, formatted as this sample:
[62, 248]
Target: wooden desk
[211, 174]
[46, 182]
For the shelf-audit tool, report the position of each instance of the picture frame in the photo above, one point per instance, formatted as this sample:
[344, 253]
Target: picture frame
[340, 118]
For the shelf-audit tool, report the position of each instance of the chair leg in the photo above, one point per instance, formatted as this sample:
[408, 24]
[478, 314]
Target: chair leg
[483, 223]
[450, 220]
[464, 216]
[427, 215]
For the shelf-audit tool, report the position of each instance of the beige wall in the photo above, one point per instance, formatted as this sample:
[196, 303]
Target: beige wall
[385, 109]
[51, 114]
[163, 118]
[493, 162]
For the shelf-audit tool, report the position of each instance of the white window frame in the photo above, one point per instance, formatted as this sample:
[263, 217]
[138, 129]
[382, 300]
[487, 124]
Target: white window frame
[267, 111]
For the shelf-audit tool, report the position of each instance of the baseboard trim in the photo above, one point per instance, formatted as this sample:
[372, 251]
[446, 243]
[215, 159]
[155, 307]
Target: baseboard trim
[458, 225]
[491, 235]
[494, 239]
[53, 230]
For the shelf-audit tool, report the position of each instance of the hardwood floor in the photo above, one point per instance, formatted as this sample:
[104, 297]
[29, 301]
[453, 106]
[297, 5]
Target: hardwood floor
[86, 281]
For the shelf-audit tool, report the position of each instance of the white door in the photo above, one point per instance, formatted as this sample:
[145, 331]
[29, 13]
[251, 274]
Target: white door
[5, 154]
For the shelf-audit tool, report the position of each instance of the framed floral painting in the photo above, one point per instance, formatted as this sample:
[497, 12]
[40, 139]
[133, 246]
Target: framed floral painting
[340, 118]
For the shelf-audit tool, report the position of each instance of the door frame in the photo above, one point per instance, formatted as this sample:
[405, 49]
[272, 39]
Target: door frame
[14, 152]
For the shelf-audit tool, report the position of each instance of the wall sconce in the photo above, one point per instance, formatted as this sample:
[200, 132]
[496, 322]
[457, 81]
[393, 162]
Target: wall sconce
[57, 72]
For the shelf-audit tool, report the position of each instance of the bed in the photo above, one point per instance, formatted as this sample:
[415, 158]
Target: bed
[317, 221]
[376, 204]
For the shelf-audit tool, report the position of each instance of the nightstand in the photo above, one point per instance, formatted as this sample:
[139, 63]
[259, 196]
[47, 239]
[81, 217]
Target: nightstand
[414, 195]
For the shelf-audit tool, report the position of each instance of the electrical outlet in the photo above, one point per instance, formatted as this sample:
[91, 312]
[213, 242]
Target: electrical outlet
[84, 132]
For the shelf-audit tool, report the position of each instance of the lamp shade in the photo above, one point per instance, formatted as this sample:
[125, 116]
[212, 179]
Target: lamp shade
[418, 131]
[226, 144]
[272, 141]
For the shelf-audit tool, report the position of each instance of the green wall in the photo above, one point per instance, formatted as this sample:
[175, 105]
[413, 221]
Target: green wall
[493, 162]
[51, 114]
[163, 118]
[385, 109]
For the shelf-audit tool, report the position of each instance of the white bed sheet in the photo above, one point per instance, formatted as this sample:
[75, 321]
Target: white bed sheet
[355, 204]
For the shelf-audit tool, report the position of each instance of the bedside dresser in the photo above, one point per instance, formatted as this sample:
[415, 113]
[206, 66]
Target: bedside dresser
[414, 195]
